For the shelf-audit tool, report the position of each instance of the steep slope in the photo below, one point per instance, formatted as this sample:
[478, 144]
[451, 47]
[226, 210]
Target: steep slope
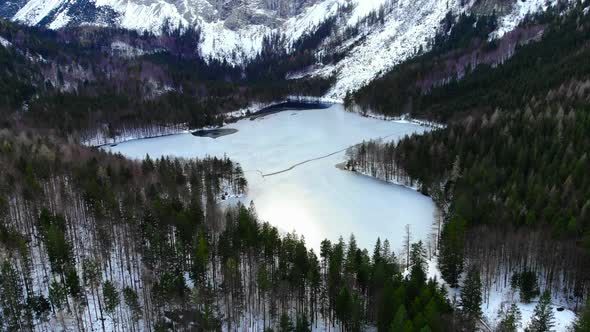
[85, 80]
[462, 76]
[233, 30]
[508, 171]
[407, 28]
[367, 39]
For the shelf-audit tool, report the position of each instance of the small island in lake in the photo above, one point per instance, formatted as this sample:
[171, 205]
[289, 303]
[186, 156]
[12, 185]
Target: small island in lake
[214, 133]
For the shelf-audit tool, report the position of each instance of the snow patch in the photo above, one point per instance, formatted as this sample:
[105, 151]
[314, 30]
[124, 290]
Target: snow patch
[407, 29]
[60, 21]
[408, 26]
[5, 43]
[520, 11]
[36, 10]
[126, 50]
[503, 298]
[364, 8]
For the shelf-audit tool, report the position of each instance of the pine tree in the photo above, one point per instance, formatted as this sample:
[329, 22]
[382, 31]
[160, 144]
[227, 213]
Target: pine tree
[302, 324]
[509, 320]
[110, 296]
[200, 259]
[58, 294]
[285, 324]
[344, 306]
[471, 297]
[399, 319]
[40, 307]
[264, 285]
[351, 254]
[132, 301]
[527, 284]
[451, 252]
[11, 297]
[418, 262]
[542, 320]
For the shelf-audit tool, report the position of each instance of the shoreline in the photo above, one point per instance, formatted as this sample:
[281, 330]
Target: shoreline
[342, 166]
[273, 108]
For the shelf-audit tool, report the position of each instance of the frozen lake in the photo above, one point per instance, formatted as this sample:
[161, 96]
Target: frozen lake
[315, 199]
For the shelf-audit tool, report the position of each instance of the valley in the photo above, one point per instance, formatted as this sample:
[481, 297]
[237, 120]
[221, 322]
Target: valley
[315, 199]
[295, 166]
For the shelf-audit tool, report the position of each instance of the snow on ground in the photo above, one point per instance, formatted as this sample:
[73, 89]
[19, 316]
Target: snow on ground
[504, 298]
[520, 10]
[35, 10]
[364, 8]
[233, 46]
[60, 21]
[312, 17]
[5, 43]
[126, 50]
[409, 27]
[315, 199]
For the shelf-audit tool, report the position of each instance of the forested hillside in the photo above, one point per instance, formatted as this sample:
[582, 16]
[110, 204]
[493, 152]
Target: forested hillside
[92, 241]
[465, 73]
[83, 80]
[509, 170]
[514, 188]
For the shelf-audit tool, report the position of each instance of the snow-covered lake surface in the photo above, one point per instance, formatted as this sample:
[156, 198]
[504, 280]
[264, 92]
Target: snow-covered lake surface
[315, 199]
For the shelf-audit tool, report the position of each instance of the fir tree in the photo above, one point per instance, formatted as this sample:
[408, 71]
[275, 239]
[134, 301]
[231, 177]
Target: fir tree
[285, 324]
[471, 297]
[132, 301]
[302, 324]
[451, 252]
[418, 262]
[110, 296]
[509, 320]
[542, 320]
[11, 297]
[527, 284]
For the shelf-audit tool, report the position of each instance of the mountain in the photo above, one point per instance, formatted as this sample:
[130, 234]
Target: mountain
[362, 39]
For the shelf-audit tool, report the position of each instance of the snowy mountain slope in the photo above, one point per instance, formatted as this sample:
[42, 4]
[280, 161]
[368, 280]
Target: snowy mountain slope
[520, 10]
[234, 30]
[407, 28]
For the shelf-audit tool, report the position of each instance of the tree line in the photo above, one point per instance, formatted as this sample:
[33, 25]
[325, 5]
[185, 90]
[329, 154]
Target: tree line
[465, 73]
[512, 191]
[92, 241]
[74, 80]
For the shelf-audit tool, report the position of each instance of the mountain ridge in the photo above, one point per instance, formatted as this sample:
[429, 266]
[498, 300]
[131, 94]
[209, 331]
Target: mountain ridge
[368, 37]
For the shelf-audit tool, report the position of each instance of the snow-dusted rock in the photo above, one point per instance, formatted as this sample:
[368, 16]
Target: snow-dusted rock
[5, 42]
[234, 30]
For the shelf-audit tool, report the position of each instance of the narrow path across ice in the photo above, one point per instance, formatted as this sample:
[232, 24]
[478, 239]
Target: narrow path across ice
[317, 158]
[313, 199]
[304, 162]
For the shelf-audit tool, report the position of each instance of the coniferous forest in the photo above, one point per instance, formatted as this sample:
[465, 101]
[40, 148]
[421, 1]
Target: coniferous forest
[92, 241]
[508, 170]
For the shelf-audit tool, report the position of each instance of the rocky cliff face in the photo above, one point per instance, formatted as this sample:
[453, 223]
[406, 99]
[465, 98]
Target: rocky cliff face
[368, 37]
[233, 13]
[489, 7]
